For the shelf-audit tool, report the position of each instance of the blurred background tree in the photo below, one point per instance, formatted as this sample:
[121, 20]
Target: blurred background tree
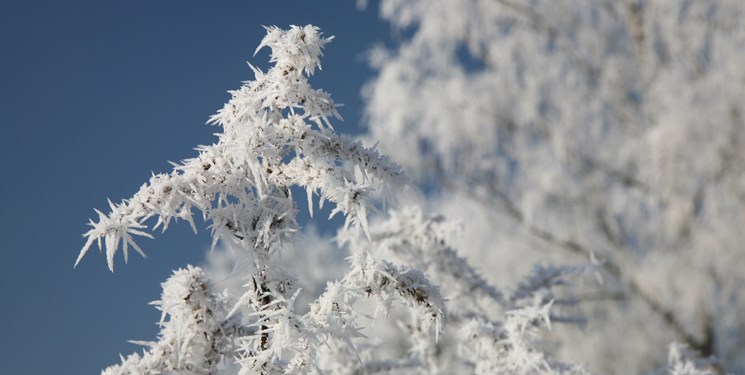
[566, 130]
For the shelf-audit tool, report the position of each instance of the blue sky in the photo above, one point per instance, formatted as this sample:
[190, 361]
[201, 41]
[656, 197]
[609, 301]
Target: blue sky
[95, 95]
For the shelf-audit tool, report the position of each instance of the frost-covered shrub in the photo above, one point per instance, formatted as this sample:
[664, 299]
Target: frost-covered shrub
[276, 134]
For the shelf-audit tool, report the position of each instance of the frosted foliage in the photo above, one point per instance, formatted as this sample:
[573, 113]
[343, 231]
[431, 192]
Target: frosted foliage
[195, 334]
[276, 134]
[490, 330]
[408, 301]
[601, 128]
[268, 143]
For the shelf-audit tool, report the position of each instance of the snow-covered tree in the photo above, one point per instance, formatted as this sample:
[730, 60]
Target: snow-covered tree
[580, 129]
[276, 135]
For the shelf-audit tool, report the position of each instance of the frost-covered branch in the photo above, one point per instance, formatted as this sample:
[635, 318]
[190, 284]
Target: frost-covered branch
[489, 330]
[196, 335]
[420, 241]
[276, 134]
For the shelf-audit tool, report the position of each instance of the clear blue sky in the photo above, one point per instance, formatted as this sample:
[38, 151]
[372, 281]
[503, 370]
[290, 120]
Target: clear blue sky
[94, 96]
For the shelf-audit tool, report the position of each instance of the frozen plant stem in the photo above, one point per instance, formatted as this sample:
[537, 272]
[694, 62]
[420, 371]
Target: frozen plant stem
[276, 133]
